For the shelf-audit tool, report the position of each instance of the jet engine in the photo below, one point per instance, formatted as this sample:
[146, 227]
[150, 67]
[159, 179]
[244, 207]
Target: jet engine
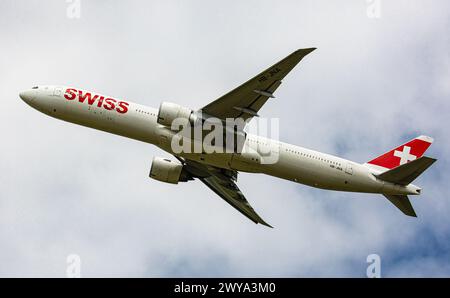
[169, 171]
[170, 111]
[233, 138]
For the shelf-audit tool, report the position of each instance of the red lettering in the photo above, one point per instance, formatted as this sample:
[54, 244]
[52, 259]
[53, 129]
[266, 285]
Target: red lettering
[107, 103]
[110, 103]
[123, 107]
[70, 93]
[92, 100]
[87, 95]
[100, 101]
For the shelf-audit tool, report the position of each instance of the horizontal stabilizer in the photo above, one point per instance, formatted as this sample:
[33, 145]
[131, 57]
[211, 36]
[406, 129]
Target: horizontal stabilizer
[407, 172]
[402, 202]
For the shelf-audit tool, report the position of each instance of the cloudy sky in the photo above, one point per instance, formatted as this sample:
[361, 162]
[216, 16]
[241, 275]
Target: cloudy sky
[380, 76]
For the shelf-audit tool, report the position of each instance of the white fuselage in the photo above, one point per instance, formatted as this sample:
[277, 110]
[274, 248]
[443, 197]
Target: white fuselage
[140, 123]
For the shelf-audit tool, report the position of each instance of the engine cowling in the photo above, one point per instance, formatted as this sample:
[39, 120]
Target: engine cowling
[169, 171]
[170, 111]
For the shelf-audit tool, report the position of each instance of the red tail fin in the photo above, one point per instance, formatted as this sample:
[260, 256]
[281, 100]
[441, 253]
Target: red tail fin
[404, 153]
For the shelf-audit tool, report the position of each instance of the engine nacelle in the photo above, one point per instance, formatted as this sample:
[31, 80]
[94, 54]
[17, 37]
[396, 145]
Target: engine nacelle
[169, 171]
[170, 111]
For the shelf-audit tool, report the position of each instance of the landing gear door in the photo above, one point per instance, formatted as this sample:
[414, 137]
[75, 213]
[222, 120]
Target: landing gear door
[349, 169]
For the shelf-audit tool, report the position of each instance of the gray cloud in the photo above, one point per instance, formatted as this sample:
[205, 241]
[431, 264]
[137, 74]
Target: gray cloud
[371, 84]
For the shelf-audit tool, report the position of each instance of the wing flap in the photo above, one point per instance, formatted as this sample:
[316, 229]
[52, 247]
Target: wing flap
[254, 93]
[231, 194]
[222, 182]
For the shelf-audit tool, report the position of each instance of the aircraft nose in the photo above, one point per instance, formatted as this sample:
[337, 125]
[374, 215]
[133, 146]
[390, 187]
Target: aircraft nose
[27, 95]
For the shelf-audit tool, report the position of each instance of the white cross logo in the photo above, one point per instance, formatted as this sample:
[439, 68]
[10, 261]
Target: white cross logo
[404, 155]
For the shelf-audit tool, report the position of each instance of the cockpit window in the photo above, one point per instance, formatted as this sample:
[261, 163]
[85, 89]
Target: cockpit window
[35, 87]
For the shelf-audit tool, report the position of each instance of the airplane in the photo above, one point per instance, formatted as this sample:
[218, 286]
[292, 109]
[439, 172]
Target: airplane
[390, 174]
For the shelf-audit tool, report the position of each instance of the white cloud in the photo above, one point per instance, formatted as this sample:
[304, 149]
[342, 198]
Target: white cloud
[68, 189]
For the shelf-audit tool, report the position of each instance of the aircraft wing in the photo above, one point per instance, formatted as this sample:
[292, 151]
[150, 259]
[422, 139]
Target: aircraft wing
[246, 100]
[222, 182]
[229, 191]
